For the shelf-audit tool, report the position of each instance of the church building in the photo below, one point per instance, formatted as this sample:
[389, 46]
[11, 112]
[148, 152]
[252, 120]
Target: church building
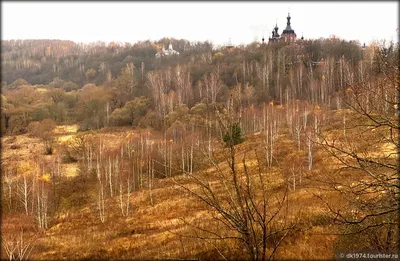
[288, 35]
[168, 52]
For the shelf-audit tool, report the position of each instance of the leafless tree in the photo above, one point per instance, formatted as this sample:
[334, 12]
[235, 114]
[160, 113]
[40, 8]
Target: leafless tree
[25, 187]
[263, 72]
[17, 247]
[9, 179]
[241, 204]
[182, 83]
[42, 200]
[213, 83]
[368, 149]
[44, 131]
[272, 115]
[101, 196]
[310, 150]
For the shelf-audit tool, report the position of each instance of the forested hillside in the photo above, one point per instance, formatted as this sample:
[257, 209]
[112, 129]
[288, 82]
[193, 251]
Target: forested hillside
[92, 84]
[256, 152]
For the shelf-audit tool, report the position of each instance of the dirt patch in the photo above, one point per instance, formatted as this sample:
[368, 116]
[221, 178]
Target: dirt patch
[64, 129]
[71, 170]
[42, 90]
[64, 138]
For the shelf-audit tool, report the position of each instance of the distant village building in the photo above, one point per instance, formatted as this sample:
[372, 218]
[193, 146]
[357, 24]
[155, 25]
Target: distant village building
[229, 46]
[288, 34]
[168, 52]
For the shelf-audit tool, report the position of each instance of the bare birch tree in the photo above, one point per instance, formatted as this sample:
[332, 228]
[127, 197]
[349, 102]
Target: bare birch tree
[368, 151]
[241, 205]
[17, 247]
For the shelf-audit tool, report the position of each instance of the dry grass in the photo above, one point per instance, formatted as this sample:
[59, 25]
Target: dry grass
[70, 170]
[158, 231]
[146, 233]
[42, 90]
[26, 147]
[66, 129]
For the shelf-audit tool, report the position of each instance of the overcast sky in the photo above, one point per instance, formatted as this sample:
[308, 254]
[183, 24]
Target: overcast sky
[243, 22]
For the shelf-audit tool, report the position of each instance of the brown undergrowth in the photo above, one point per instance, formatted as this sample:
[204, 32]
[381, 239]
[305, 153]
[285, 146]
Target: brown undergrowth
[165, 229]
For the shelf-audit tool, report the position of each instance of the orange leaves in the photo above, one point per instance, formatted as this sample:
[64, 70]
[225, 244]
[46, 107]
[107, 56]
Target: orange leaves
[29, 168]
[349, 90]
[45, 177]
[25, 168]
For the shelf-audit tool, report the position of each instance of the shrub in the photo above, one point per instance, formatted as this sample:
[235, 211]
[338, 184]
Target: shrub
[234, 135]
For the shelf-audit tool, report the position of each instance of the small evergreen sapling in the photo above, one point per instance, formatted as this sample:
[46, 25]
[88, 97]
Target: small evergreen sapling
[234, 135]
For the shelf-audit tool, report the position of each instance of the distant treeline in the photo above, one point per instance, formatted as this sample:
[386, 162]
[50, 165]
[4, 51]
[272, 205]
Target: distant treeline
[100, 84]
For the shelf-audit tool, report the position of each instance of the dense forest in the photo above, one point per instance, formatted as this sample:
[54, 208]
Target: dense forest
[252, 152]
[96, 84]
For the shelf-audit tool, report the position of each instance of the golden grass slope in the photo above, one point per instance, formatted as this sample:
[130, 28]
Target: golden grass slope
[158, 231]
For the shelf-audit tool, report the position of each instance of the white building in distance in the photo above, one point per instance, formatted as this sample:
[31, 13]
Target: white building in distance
[168, 52]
